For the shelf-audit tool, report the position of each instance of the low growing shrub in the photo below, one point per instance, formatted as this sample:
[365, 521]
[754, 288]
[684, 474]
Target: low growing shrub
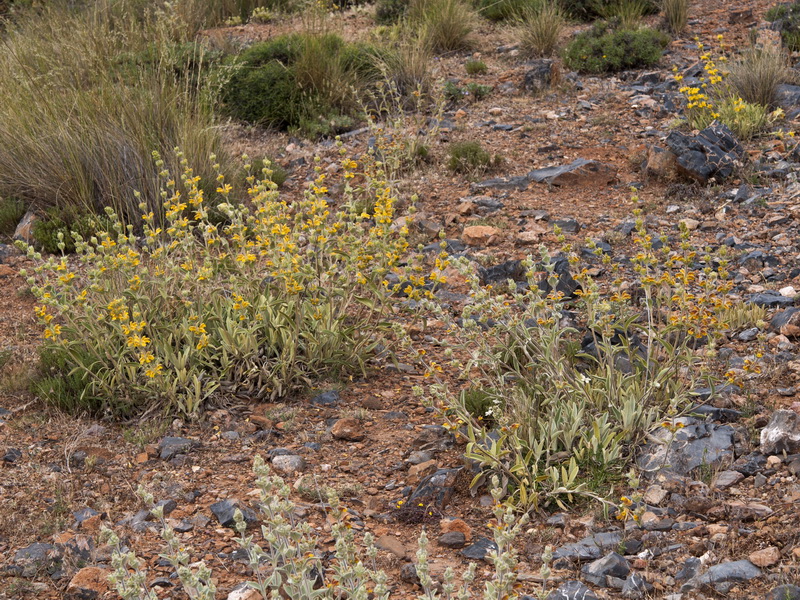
[444, 25]
[501, 10]
[284, 293]
[470, 158]
[756, 74]
[589, 10]
[389, 12]
[567, 396]
[606, 50]
[476, 67]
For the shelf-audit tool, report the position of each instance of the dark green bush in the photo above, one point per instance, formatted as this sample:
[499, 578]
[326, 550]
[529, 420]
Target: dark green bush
[605, 50]
[11, 213]
[501, 10]
[470, 158]
[589, 10]
[476, 67]
[301, 82]
[55, 221]
[58, 384]
[787, 20]
[389, 12]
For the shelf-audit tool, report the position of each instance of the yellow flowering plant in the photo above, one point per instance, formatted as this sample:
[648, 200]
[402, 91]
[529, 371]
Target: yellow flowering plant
[250, 295]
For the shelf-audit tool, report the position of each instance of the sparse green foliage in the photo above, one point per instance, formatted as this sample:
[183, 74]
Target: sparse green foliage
[606, 50]
[501, 10]
[11, 213]
[388, 12]
[470, 158]
[476, 67]
[588, 10]
[787, 17]
[541, 24]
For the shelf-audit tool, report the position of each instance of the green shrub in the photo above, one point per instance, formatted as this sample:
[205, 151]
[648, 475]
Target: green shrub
[314, 83]
[59, 385]
[501, 10]
[605, 50]
[11, 213]
[197, 311]
[476, 67]
[588, 10]
[478, 91]
[444, 25]
[52, 231]
[570, 404]
[541, 24]
[788, 18]
[389, 12]
[470, 158]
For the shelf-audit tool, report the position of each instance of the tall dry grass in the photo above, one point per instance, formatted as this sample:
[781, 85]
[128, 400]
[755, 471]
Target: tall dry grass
[87, 95]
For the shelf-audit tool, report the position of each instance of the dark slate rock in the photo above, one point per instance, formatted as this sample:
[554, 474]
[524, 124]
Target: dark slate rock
[689, 570]
[572, 590]
[35, 559]
[636, 586]
[83, 514]
[224, 510]
[748, 335]
[452, 539]
[698, 443]
[590, 548]
[167, 505]
[721, 415]
[782, 318]
[330, 398]
[435, 489]
[568, 225]
[184, 526]
[170, 447]
[566, 283]
[788, 96]
[518, 183]
[479, 549]
[612, 564]
[714, 152]
[450, 246]
[738, 571]
[784, 592]
[538, 76]
[12, 455]
[770, 299]
[434, 438]
[749, 465]
[501, 273]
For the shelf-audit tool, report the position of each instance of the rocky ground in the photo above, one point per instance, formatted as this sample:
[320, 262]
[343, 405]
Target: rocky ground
[723, 520]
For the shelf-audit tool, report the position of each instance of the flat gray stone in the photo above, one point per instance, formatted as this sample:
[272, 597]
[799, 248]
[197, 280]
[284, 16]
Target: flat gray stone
[782, 433]
[170, 447]
[697, 443]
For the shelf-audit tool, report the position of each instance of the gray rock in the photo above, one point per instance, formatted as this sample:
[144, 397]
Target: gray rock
[436, 489]
[689, 570]
[782, 433]
[170, 447]
[538, 76]
[433, 438]
[770, 299]
[518, 183]
[738, 571]
[788, 96]
[572, 590]
[784, 592]
[727, 479]
[568, 225]
[452, 539]
[748, 335]
[35, 559]
[579, 172]
[750, 464]
[592, 548]
[225, 509]
[612, 564]
[697, 443]
[479, 549]
[783, 318]
[12, 455]
[636, 586]
[714, 152]
[289, 463]
[419, 456]
[330, 398]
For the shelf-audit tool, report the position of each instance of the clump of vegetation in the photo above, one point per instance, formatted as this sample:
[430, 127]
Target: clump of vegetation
[444, 25]
[476, 67]
[389, 12]
[604, 49]
[501, 10]
[716, 97]
[787, 19]
[676, 15]
[11, 213]
[541, 24]
[756, 74]
[470, 158]
[313, 83]
[52, 231]
[562, 406]
[198, 310]
[88, 92]
[589, 10]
